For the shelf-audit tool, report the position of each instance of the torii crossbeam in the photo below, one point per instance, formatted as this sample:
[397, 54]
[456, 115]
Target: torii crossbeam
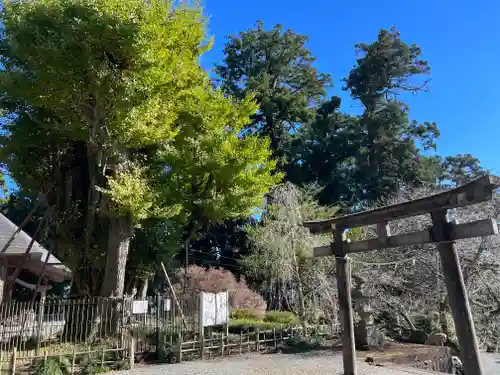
[442, 233]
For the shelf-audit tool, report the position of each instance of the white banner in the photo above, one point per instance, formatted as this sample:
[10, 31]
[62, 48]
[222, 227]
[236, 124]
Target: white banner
[166, 304]
[214, 309]
[140, 307]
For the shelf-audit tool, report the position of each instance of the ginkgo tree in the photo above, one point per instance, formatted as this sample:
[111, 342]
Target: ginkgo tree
[109, 113]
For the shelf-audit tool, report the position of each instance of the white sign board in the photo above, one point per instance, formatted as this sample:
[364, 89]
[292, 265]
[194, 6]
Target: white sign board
[166, 304]
[140, 307]
[214, 309]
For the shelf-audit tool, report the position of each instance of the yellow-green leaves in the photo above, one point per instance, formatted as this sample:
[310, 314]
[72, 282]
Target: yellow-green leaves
[123, 77]
[211, 167]
[131, 194]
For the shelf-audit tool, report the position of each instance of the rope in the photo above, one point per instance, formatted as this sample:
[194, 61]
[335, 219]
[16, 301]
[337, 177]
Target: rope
[349, 259]
[411, 260]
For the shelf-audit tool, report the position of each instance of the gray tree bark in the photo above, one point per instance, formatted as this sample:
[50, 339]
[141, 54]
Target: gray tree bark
[143, 291]
[120, 233]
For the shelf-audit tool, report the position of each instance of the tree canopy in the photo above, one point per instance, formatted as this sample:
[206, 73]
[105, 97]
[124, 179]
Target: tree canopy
[364, 158]
[112, 116]
[138, 156]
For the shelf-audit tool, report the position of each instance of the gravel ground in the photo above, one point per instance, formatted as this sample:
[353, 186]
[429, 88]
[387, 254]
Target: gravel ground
[491, 363]
[273, 364]
[316, 363]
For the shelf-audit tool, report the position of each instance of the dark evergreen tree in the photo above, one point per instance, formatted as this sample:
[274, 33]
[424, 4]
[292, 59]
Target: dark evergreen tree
[388, 154]
[275, 66]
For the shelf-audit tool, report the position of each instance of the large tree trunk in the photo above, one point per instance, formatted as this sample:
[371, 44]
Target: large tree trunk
[143, 290]
[120, 232]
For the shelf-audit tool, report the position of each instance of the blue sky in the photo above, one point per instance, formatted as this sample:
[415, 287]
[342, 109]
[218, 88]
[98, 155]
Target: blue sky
[461, 40]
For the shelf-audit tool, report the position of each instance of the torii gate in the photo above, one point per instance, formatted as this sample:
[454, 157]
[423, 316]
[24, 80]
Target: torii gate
[442, 233]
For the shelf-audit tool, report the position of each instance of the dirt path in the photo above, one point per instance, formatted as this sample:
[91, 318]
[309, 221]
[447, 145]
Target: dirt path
[491, 363]
[273, 364]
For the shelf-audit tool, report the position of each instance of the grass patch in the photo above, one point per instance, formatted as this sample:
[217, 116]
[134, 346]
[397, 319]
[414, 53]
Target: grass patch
[282, 317]
[250, 325]
[239, 313]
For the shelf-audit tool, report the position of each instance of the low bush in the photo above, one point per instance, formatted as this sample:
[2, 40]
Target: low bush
[251, 325]
[281, 317]
[427, 323]
[51, 366]
[301, 344]
[215, 280]
[245, 298]
[246, 314]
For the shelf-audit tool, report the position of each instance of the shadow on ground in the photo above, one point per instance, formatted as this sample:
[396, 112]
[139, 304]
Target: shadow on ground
[308, 348]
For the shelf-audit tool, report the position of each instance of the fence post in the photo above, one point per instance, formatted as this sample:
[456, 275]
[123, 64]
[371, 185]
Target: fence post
[179, 348]
[159, 341]
[241, 342]
[257, 341]
[122, 319]
[222, 345]
[131, 353]
[39, 333]
[201, 327]
[73, 361]
[103, 354]
[13, 359]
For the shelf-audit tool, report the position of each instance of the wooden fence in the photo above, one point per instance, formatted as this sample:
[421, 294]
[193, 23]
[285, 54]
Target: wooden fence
[60, 325]
[100, 330]
[218, 344]
[121, 358]
[102, 358]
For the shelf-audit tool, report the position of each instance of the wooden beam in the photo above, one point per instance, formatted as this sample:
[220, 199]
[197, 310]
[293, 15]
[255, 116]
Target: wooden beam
[457, 295]
[343, 271]
[33, 286]
[52, 273]
[383, 229]
[475, 191]
[479, 228]
[172, 290]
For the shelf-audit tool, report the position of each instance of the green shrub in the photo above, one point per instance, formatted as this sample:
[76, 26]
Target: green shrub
[302, 344]
[281, 317]
[250, 325]
[426, 323]
[51, 366]
[245, 314]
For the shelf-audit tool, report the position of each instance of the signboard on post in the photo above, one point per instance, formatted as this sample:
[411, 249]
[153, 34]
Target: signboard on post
[140, 307]
[214, 309]
[167, 304]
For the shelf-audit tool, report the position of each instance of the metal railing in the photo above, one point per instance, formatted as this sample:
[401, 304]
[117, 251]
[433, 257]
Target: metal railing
[89, 322]
[60, 326]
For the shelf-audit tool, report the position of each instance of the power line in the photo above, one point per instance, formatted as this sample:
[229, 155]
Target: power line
[214, 255]
[217, 263]
[376, 264]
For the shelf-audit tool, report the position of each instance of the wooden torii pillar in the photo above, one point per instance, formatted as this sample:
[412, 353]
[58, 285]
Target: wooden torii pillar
[442, 233]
